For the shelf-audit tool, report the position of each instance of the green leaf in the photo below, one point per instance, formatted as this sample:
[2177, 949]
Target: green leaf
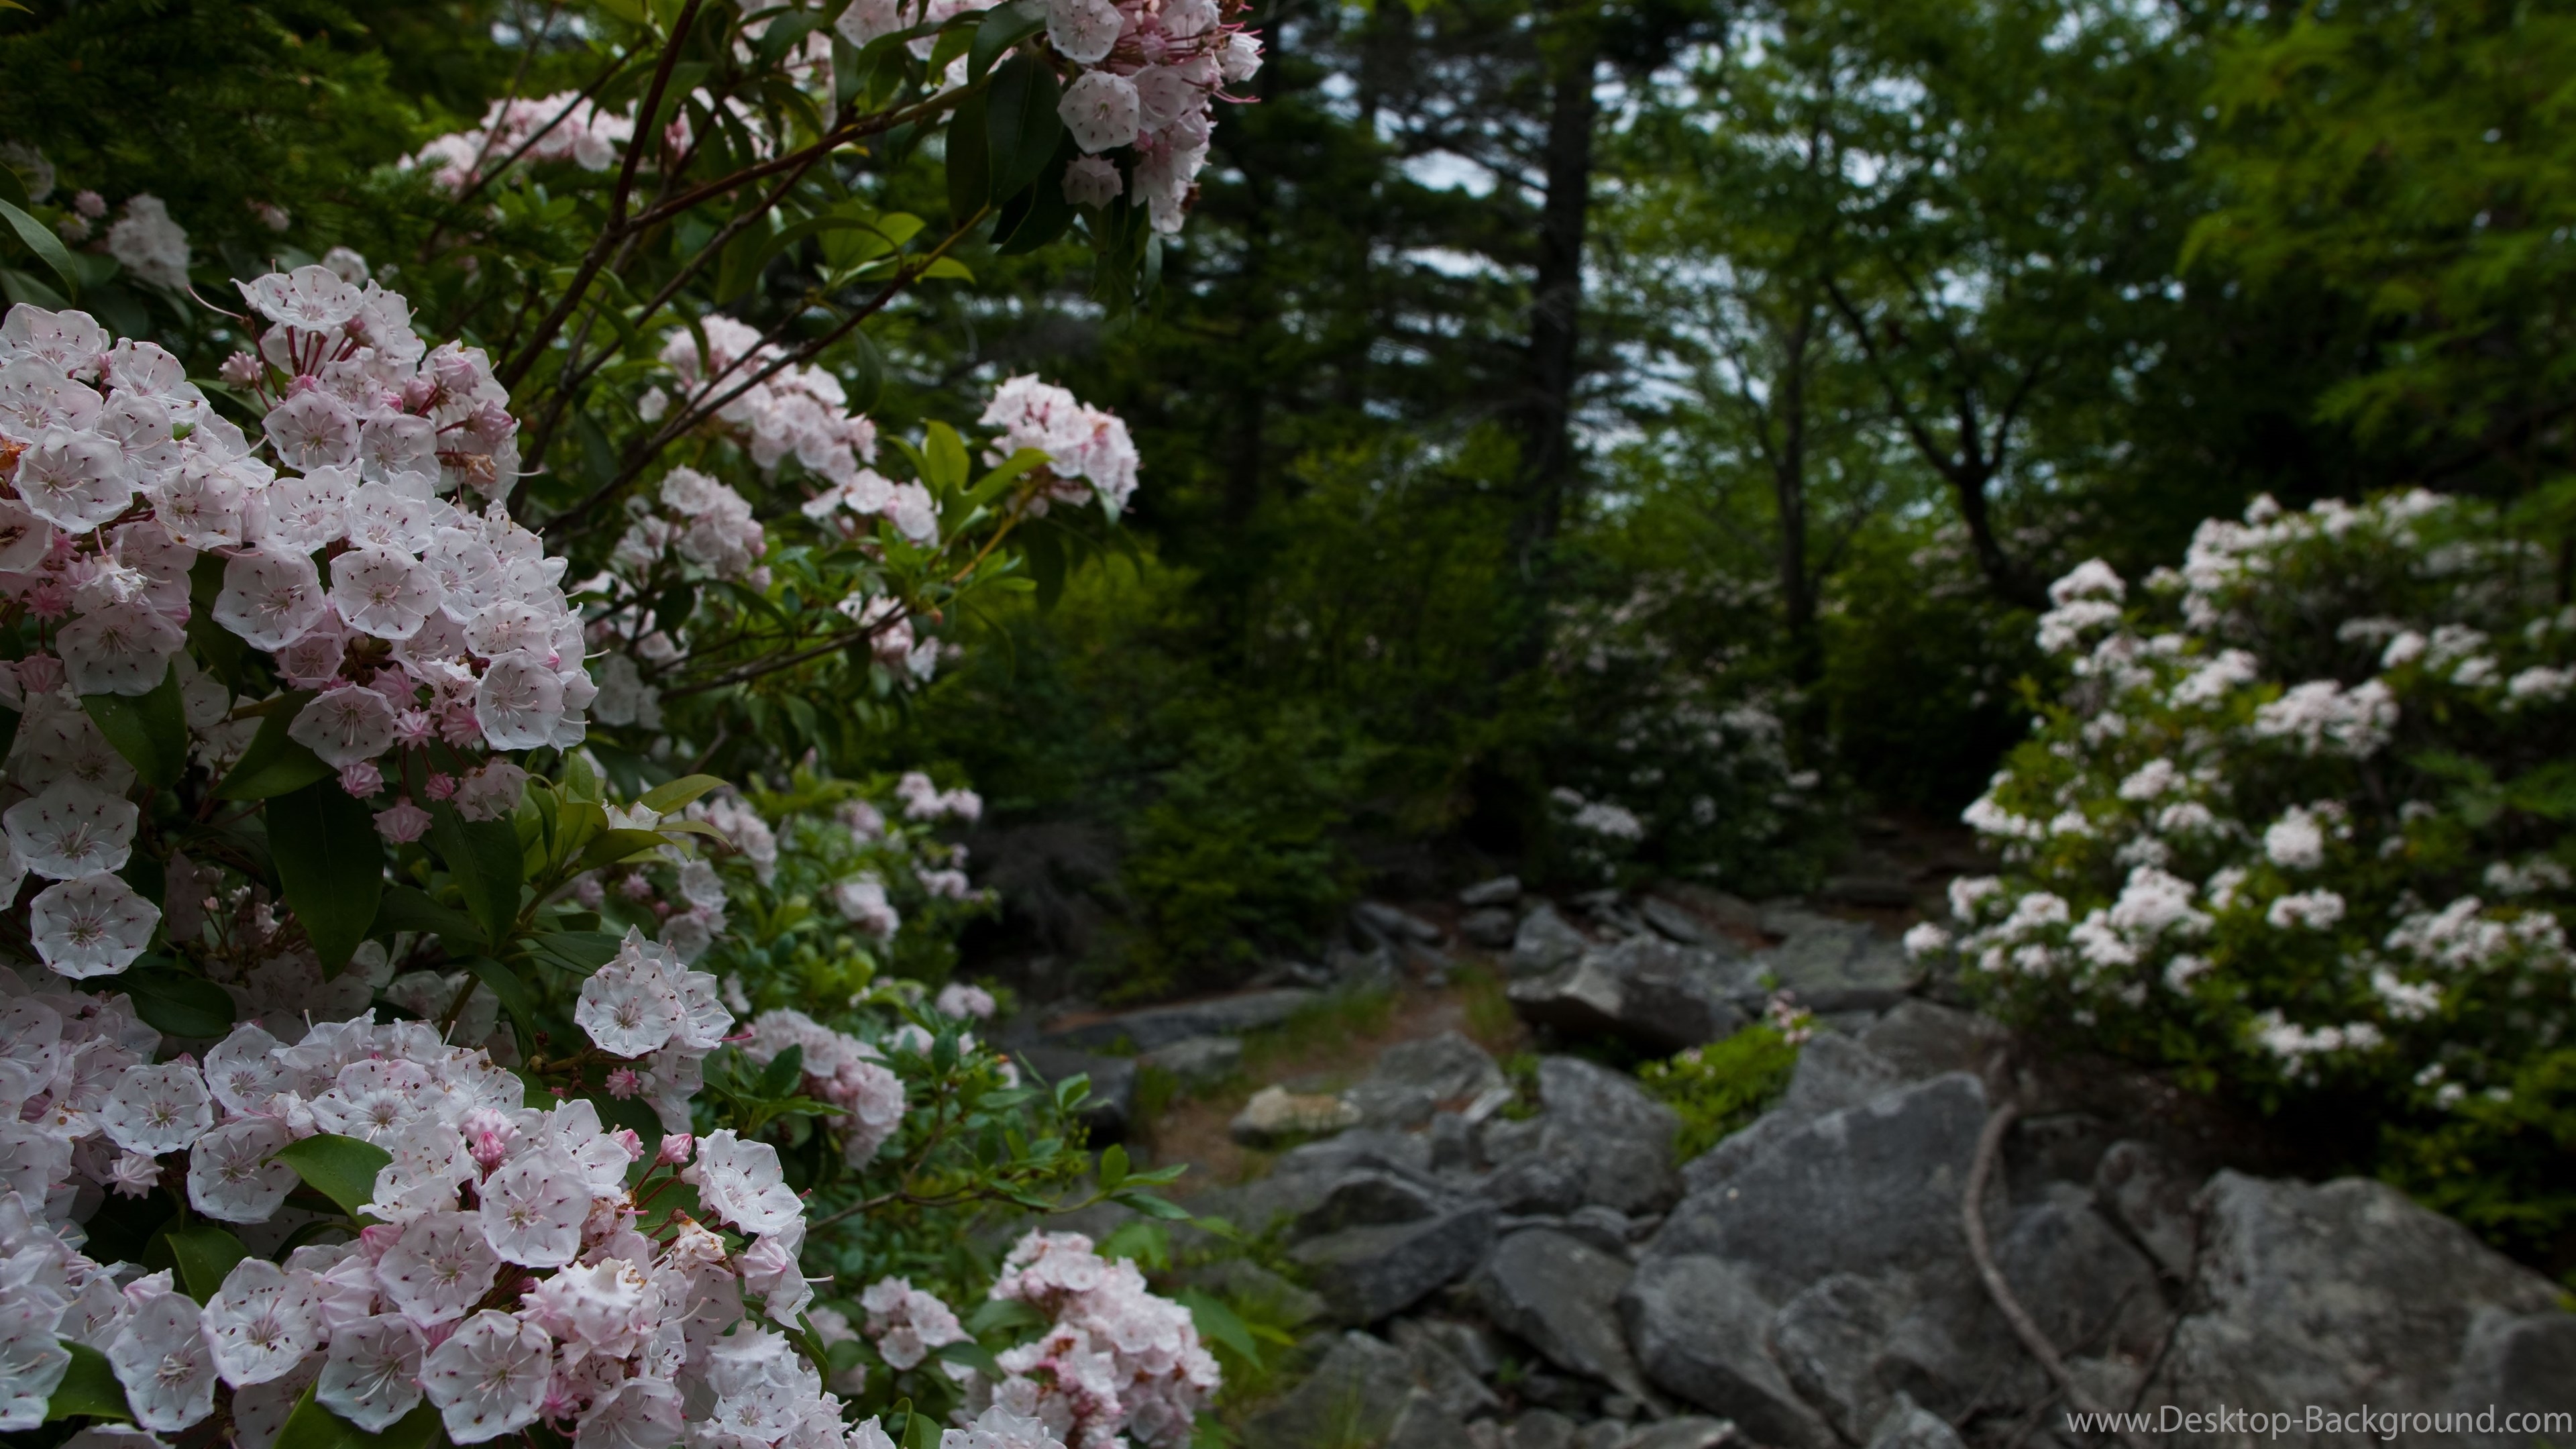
[1152, 1206]
[483, 858]
[1113, 1167]
[150, 730]
[330, 866]
[944, 465]
[342, 1169]
[409, 908]
[204, 1253]
[274, 764]
[312, 1426]
[782, 1073]
[1002, 27]
[677, 794]
[1222, 1324]
[611, 846]
[48, 247]
[512, 993]
[999, 1313]
[1020, 122]
[970, 166]
[89, 1388]
[178, 1002]
[577, 951]
[975, 1356]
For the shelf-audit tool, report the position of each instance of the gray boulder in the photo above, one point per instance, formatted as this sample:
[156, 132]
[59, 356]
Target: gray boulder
[2147, 1193]
[1826, 1341]
[1534, 1183]
[1394, 923]
[1560, 1295]
[1197, 1061]
[1491, 927]
[1353, 1397]
[1683, 1431]
[1911, 1426]
[1469, 1345]
[2088, 1289]
[2338, 1293]
[1544, 942]
[1924, 1039]
[1653, 993]
[1700, 1329]
[1161, 1026]
[1370, 1273]
[1834, 965]
[1674, 923]
[1711, 1169]
[2514, 1363]
[1414, 1079]
[1835, 1072]
[1368, 1199]
[1867, 1188]
[1622, 1138]
[1275, 1116]
[1540, 1429]
[1455, 1388]
[1425, 1423]
[1502, 890]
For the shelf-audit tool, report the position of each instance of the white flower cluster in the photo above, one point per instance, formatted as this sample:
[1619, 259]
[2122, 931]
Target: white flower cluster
[513, 1275]
[561, 127]
[1115, 1363]
[2190, 839]
[1088, 450]
[799, 412]
[647, 1006]
[839, 1069]
[436, 623]
[149, 243]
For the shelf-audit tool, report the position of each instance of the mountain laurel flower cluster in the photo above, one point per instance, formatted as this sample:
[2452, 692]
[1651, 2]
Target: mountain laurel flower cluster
[1113, 1364]
[2289, 822]
[391, 618]
[839, 1069]
[1152, 73]
[515, 1269]
[1088, 450]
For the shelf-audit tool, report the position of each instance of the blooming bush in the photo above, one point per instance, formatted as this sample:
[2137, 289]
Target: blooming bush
[2301, 817]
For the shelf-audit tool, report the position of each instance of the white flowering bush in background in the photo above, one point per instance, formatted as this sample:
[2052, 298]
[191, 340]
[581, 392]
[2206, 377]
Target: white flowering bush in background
[1675, 758]
[2301, 820]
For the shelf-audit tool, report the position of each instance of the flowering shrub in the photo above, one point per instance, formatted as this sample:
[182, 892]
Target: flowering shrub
[2300, 818]
[1719, 1088]
[1675, 759]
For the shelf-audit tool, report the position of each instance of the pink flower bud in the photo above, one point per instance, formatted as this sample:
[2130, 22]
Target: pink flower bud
[403, 823]
[676, 1147]
[362, 779]
[417, 392]
[49, 599]
[89, 204]
[629, 1143]
[374, 1239]
[623, 1083]
[439, 785]
[40, 673]
[240, 370]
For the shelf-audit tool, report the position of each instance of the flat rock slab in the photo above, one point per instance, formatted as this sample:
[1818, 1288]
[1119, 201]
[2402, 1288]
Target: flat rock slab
[1276, 1115]
[1621, 1138]
[1651, 992]
[1160, 1026]
[1560, 1295]
[2333, 1293]
[1370, 1273]
[1865, 1188]
[1197, 1061]
[1700, 1328]
[1545, 941]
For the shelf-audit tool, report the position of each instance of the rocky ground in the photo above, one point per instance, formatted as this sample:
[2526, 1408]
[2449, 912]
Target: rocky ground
[1473, 1272]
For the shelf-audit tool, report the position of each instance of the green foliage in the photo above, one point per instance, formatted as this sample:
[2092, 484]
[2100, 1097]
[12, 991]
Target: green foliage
[1718, 1089]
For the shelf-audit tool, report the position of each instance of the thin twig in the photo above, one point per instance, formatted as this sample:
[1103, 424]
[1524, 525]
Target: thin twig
[1972, 1218]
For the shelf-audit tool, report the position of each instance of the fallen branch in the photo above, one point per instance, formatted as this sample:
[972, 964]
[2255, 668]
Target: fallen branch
[1972, 1218]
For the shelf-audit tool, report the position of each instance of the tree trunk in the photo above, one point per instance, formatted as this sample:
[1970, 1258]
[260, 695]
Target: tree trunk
[1556, 301]
[1789, 495]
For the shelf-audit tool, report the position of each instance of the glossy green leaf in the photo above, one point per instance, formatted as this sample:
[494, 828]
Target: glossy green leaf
[1113, 1167]
[48, 247]
[1021, 125]
[89, 1388]
[970, 164]
[342, 1169]
[483, 858]
[678, 794]
[1152, 1206]
[611, 846]
[944, 463]
[512, 993]
[203, 1254]
[578, 951]
[179, 1003]
[150, 730]
[409, 908]
[781, 1075]
[1221, 1324]
[1002, 27]
[274, 764]
[330, 866]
